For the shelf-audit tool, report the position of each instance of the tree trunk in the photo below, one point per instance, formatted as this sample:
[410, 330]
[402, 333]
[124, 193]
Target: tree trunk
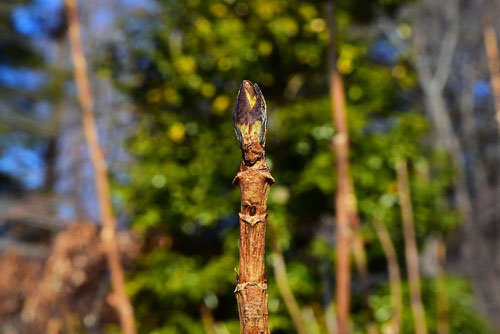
[119, 298]
[411, 251]
[254, 181]
[341, 146]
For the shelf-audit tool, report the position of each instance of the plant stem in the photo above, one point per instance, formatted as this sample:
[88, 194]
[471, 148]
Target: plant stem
[358, 249]
[119, 298]
[394, 274]
[491, 45]
[284, 287]
[207, 318]
[443, 326]
[411, 251]
[254, 181]
[341, 146]
[359, 253]
[330, 319]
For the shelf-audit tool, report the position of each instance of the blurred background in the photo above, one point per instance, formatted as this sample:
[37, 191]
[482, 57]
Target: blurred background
[419, 85]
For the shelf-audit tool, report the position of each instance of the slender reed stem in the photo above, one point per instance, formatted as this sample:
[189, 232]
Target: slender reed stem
[286, 292]
[394, 274]
[359, 254]
[330, 319]
[443, 326]
[119, 299]
[341, 147]
[207, 318]
[491, 45]
[411, 251]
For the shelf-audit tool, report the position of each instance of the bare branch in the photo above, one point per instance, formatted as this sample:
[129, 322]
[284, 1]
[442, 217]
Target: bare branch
[286, 292]
[411, 251]
[341, 147]
[394, 274]
[447, 51]
[119, 298]
[254, 181]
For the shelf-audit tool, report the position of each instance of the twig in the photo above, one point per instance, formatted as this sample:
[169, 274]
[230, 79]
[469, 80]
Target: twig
[341, 146]
[394, 274]
[207, 318]
[411, 251]
[443, 326]
[359, 253]
[330, 320]
[286, 292]
[254, 181]
[491, 45]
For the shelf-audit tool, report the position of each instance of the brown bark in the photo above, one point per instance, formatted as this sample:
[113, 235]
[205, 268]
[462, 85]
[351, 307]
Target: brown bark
[411, 251]
[394, 274]
[343, 198]
[491, 45]
[286, 292]
[254, 181]
[442, 296]
[119, 299]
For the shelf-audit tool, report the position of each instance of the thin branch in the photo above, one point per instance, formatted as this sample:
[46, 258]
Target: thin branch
[394, 274]
[119, 298]
[254, 181]
[358, 248]
[330, 319]
[491, 45]
[447, 50]
[311, 320]
[411, 251]
[422, 65]
[359, 253]
[207, 318]
[443, 325]
[286, 292]
[341, 146]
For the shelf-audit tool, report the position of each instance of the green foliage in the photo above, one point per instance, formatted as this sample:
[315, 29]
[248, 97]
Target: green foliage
[461, 301]
[183, 74]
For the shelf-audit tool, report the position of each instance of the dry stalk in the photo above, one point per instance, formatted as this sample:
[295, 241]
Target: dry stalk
[254, 181]
[411, 251]
[286, 292]
[342, 201]
[359, 254]
[207, 318]
[491, 45]
[443, 325]
[394, 274]
[119, 299]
